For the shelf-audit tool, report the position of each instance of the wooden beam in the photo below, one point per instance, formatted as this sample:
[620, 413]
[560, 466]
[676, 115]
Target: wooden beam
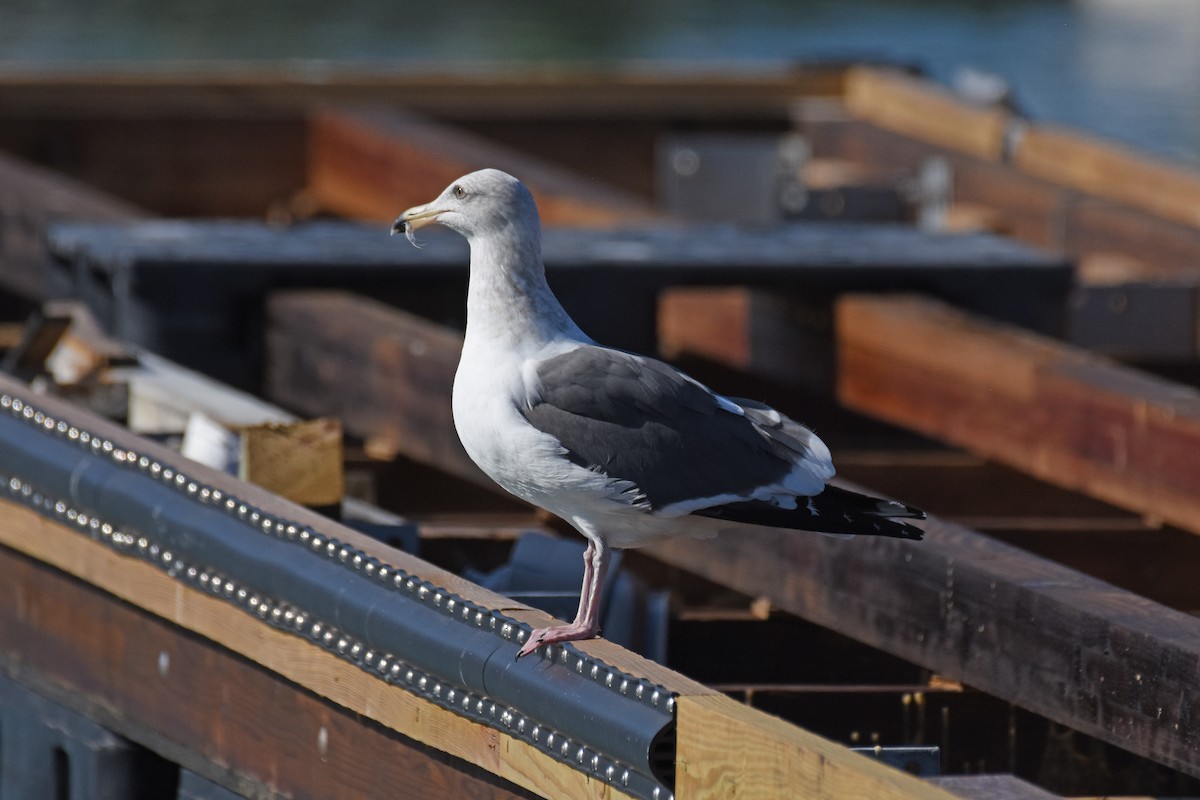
[1057, 412]
[1108, 171]
[293, 658]
[1081, 652]
[181, 163]
[760, 332]
[301, 461]
[385, 373]
[1038, 634]
[921, 109]
[374, 164]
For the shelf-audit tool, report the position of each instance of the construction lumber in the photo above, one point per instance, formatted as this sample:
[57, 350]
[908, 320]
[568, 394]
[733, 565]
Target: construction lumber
[1030, 207]
[1109, 172]
[301, 461]
[920, 109]
[373, 164]
[390, 387]
[1084, 653]
[760, 332]
[1057, 412]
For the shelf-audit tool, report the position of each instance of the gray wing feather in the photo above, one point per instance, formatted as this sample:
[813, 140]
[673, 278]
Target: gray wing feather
[640, 420]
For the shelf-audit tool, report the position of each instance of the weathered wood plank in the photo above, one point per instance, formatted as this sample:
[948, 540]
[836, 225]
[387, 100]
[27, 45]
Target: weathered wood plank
[1059, 413]
[203, 705]
[373, 164]
[920, 109]
[775, 759]
[1047, 638]
[763, 333]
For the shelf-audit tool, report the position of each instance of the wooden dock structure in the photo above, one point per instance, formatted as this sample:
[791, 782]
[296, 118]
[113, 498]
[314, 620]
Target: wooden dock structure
[990, 318]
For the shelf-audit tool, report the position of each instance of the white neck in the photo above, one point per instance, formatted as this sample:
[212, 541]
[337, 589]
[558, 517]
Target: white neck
[509, 303]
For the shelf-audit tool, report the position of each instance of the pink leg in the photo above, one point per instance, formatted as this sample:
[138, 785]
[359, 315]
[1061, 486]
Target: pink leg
[587, 620]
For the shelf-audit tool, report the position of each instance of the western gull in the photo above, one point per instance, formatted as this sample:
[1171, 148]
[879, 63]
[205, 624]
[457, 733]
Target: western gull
[625, 448]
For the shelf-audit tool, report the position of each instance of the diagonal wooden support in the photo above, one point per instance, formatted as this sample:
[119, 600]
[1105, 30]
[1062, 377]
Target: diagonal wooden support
[376, 163]
[1055, 411]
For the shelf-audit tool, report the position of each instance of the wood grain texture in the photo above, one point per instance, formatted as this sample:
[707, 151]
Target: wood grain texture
[922, 110]
[729, 750]
[301, 461]
[1108, 171]
[374, 164]
[385, 373]
[1057, 412]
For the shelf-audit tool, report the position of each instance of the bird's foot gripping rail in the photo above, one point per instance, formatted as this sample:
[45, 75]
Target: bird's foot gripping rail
[312, 580]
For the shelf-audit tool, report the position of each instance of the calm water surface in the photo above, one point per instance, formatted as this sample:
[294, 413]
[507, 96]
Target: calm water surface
[1125, 69]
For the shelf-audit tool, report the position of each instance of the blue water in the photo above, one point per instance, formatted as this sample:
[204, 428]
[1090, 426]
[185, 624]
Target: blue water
[1124, 69]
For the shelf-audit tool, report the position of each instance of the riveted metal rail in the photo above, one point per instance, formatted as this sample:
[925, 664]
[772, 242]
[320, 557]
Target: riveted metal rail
[389, 622]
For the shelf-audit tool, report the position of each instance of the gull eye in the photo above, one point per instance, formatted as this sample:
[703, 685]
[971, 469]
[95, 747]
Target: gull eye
[460, 192]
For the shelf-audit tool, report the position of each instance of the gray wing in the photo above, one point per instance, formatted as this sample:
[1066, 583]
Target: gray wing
[640, 420]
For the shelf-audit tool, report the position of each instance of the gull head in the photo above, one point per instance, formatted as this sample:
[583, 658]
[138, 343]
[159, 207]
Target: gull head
[483, 203]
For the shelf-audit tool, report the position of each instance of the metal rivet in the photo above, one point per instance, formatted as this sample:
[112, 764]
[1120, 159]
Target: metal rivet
[322, 742]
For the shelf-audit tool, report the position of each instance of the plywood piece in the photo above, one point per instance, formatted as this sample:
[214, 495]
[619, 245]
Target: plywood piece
[920, 109]
[729, 750]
